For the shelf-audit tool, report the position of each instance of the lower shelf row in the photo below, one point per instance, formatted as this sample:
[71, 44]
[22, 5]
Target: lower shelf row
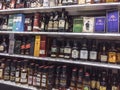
[49, 75]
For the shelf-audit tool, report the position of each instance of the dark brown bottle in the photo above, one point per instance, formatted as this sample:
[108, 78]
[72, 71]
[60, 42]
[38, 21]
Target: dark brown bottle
[56, 22]
[67, 51]
[5, 23]
[61, 50]
[63, 78]
[54, 49]
[22, 51]
[27, 46]
[73, 79]
[80, 79]
[3, 46]
[36, 25]
[75, 51]
[24, 73]
[30, 74]
[12, 72]
[7, 70]
[17, 72]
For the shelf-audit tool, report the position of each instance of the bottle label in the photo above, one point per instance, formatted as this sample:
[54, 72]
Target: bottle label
[17, 74]
[88, 1]
[93, 84]
[81, 1]
[103, 88]
[66, 26]
[114, 88]
[34, 80]
[61, 24]
[42, 52]
[23, 77]
[1, 48]
[112, 57]
[93, 55]
[27, 20]
[118, 57]
[43, 84]
[63, 82]
[98, 85]
[75, 53]
[38, 80]
[52, 3]
[103, 58]
[1, 73]
[86, 87]
[29, 28]
[67, 50]
[42, 25]
[50, 25]
[30, 80]
[4, 27]
[54, 49]
[83, 54]
[17, 79]
[45, 3]
[55, 25]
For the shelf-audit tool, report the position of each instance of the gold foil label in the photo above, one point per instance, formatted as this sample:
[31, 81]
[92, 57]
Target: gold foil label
[112, 57]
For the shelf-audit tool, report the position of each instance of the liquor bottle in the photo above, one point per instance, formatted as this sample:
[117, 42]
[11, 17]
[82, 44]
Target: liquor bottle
[63, 78]
[51, 22]
[114, 82]
[36, 25]
[93, 52]
[33, 4]
[57, 77]
[103, 54]
[54, 49]
[43, 22]
[12, 4]
[59, 2]
[98, 81]
[12, 71]
[67, 22]
[112, 54]
[88, 1]
[44, 78]
[56, 22]
[17, 72]
[70, 2]
[103, 83]
[35, 75]
[20, 3]
[4, 25]
[22, 51]
[86, 82]
[2, 66]
[24, 73]
[45, 3]
[61, 25]
[67, 50]
[7, 70]
[80, 79]
[30, 74]
[84, 51]
[52, 3]
[3, 46]
[6, 4]
[27, 46]
[75, 51]
[61, 50]
[1, 4]
[64, 2]
[118, 53]
[73, 79]
[28, 4]
[51, 79]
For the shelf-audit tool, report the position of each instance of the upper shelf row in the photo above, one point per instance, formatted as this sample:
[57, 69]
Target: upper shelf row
[71, 8]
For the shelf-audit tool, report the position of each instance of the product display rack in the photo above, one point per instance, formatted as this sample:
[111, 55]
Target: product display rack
[71, 8]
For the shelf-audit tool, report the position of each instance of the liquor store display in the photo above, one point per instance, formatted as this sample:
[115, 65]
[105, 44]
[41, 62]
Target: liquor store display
[61, 22]
[50, 76]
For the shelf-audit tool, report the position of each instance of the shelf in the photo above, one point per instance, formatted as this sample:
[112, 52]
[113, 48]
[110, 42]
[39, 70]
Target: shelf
[83, 7]
[17, 85]
[88, 63]
[111, 36]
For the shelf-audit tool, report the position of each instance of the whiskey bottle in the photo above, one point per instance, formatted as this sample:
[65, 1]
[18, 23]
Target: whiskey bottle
[67, 22]
[61, 50]
[35, 75]
[80, 79]
[28, 46]
[50, 23]
[12, 72]
[114, 82]
[75, 51]
[6, 4]
[28, 4]
[73, 79]
[93, 52]
[5, 21]
[3, 46]
[45, 3]
[103, 83]
[22, 51]
[43, 22]
[12, 4]
[44, 78]
[98, 81]
[36, 25]
[112, 54]
[67, 51]
[63, 78]
[57, 77]
[103, 54]
[24, 73]
[30, 74]
[61, 25]
[7, 70]
[56, 22]
[86, 82]
[54, 49]
[17, 72]
[84, 51]
[2, 66]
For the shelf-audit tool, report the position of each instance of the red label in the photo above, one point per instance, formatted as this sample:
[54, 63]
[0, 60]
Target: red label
[27, 46]
[23, 47]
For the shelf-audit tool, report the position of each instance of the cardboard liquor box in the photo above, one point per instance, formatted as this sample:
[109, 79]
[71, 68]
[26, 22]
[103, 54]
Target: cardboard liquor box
[100, 23]
[88, 24]
[18, 22]
[112, 25]
[10, 23]
[78, 25]
[43, 46]
[37, 45]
